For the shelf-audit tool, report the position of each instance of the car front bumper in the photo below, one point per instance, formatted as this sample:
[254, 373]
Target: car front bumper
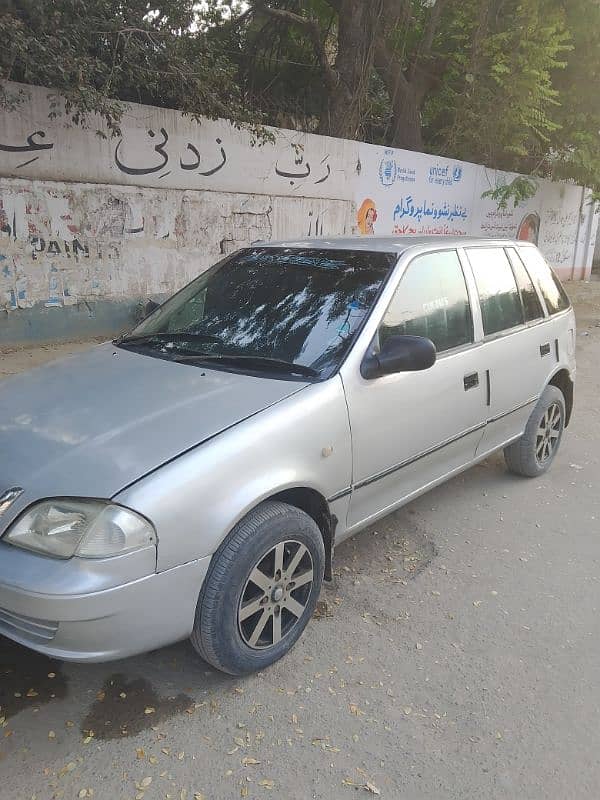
[67, 610]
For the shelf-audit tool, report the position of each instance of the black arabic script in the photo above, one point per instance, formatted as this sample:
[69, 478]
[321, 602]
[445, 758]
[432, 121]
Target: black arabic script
[31, 145]
[159, 148]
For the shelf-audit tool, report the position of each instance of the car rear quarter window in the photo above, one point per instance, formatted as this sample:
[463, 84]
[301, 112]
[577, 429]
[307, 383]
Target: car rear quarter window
[547, 282]
[531, 302]
[498, 294]
[432, 301]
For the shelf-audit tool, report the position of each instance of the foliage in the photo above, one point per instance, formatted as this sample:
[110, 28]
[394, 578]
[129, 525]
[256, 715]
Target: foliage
[100, 53]
[575, 146]
[499, 83]
[512, 84]
[516, 191]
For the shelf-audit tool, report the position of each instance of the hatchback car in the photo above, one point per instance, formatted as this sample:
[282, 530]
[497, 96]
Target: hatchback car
[192, 478]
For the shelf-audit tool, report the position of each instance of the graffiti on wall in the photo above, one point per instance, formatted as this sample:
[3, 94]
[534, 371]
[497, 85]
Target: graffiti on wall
[140, 165]
[62, 245]
[163, 148]
[406, 194]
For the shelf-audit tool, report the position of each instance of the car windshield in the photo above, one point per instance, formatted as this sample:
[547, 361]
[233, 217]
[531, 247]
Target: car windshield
[274, 309]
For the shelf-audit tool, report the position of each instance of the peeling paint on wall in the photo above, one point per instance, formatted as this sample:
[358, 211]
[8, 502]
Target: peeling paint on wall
[61, 244]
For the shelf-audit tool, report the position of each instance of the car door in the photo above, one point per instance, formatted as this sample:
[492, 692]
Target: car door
[515, 341]
[410, 429]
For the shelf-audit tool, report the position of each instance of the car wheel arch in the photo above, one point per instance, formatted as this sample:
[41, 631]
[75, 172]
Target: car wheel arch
[562, 380]
[309, 500]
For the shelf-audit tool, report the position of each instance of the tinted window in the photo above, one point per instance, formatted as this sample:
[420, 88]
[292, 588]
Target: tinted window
[291, 304]
[529, 296]
[548, 284]
[431, 301]
[500, 303]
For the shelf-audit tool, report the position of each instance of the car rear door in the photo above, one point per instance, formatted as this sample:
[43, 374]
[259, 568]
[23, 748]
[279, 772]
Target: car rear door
[411, 429]
[515, 341]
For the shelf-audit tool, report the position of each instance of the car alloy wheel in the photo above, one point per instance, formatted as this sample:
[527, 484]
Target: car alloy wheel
[548, 433]
[275, 595]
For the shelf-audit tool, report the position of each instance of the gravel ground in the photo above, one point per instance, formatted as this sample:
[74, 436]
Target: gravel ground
[455, 656]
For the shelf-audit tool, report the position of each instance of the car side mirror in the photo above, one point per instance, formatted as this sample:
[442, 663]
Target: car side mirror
[150, 306]
[399, 354]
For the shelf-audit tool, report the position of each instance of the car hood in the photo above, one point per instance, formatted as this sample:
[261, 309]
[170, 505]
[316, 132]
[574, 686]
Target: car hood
[93, 423]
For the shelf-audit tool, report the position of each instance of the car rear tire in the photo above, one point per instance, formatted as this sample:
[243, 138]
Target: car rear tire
[261, 589]
[534, 452]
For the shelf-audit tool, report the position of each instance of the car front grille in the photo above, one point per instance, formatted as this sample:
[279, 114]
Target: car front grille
[38, 631]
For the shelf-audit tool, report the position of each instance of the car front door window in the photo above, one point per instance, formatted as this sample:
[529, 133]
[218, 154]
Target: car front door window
[431, 301]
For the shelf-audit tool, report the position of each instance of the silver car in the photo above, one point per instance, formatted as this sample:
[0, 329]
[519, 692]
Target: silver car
[192, 478]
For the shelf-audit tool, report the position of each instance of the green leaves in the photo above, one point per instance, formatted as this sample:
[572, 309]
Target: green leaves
[517, 191]
[512, 84]
[102, 53]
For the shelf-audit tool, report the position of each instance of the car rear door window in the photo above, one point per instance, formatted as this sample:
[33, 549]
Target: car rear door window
[500, 302]
[547, 282]
[531, 302]
[431, 300]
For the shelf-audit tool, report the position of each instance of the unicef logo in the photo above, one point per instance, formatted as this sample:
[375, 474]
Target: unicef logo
[387, 171]
[456, 174]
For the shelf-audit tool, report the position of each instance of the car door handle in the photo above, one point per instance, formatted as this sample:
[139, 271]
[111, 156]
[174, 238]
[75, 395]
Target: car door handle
[544, 350]
[471, 381]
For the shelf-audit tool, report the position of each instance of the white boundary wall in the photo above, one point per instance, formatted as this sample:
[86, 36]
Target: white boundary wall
[86, 219]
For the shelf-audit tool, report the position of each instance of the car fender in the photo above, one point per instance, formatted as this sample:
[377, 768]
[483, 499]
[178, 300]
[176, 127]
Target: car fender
[196, 499]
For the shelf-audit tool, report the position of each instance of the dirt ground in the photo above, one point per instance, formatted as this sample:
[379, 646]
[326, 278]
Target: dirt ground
[455, 656]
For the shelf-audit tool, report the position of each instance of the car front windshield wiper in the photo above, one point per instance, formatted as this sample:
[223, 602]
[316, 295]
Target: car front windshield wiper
[169, 337]
[257, 362]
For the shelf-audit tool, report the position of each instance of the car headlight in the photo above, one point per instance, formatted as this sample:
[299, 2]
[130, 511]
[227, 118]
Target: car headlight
[65, 527]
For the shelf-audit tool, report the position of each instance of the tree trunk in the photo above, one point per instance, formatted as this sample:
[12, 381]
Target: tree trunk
[409, 79]
[358, 25]
[406, 120]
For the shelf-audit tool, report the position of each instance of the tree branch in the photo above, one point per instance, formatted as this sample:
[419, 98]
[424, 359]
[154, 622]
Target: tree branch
[311, 26]
[424, 49]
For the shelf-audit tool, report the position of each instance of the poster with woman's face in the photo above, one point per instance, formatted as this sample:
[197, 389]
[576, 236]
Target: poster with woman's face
[529, 229]
[366, 217]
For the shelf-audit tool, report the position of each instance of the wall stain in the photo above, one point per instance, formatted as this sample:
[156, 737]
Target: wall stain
[27, 679]
[127, 707]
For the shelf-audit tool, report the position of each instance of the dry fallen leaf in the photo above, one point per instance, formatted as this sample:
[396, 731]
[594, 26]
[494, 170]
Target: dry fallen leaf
[140, 752]
[145, 782]
[370, 787]
[247, 762]
[268, 784]
[355, 710]
[149, 710]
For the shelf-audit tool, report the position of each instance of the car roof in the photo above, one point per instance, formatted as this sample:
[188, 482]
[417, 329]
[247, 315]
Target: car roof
[387, 244]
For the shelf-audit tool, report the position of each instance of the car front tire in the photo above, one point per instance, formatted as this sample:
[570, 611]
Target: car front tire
[261, 589]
